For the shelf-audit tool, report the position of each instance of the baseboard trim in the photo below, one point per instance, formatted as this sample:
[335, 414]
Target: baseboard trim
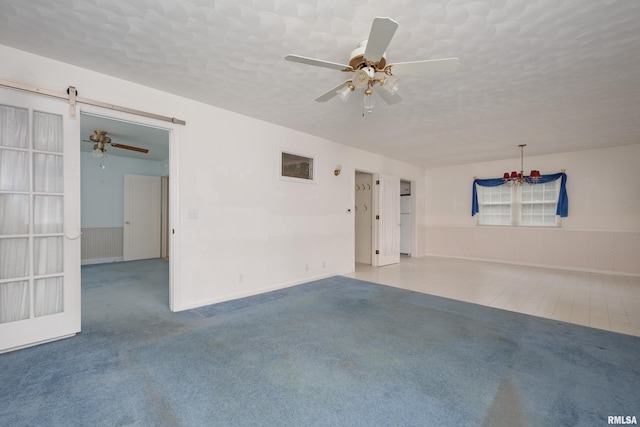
[203, 303]
[550, 267]
[101, 260]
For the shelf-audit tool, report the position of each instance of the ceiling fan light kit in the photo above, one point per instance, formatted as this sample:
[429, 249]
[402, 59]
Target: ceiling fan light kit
[390, 84]
[99, 150]
[346, 92]
[362, 77]
[100, 138]
[368, 60]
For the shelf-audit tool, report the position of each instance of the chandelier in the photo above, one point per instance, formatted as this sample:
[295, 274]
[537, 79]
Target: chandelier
[518, 178]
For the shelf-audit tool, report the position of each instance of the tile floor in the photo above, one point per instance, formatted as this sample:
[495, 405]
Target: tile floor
[597, 300]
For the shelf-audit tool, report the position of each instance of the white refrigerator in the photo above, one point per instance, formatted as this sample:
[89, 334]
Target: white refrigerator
[405, 225]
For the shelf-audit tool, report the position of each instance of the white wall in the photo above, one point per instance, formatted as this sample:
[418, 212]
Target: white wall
[254, 232]
[102, 190]
[601, 233]
[102, 203]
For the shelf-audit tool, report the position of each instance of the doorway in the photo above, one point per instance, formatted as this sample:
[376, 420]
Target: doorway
[378, 218]
[405, 218]
[103, 183]
[363, 218]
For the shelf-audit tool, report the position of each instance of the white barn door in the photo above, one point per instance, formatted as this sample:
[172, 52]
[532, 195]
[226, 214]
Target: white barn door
[387, 220]
[142, 219]
[39, 220]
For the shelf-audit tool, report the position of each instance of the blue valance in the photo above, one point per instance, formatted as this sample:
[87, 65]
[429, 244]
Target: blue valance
[563, 200]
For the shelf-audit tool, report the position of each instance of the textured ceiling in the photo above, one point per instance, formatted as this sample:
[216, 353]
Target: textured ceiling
[558, 75]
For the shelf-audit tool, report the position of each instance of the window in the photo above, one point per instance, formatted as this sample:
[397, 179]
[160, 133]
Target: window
[495, 205]
[295, 166]
[538, 204]
[526, 205]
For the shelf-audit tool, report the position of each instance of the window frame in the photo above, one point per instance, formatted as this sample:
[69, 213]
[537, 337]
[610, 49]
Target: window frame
[516, 206]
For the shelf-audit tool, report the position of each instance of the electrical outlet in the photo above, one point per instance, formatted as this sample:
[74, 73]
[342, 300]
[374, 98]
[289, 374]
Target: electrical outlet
[306, 267]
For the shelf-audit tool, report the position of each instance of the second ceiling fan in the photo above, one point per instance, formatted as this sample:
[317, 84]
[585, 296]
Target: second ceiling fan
[100, 138]
[370, 69]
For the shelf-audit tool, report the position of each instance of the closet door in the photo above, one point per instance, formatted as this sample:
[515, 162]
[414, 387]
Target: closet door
[142, 217]
[39, 220]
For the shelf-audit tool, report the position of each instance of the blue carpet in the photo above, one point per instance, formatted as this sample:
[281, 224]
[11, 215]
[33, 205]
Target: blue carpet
[334, 352]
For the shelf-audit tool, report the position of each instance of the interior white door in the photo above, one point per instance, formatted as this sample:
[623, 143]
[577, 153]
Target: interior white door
[39, 220]
[142, 217]
[387, 220]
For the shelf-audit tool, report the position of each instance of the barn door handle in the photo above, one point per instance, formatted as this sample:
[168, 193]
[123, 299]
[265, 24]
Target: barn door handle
[72, 234]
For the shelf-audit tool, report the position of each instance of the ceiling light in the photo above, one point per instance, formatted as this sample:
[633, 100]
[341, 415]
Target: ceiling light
[346, 92]
[361, 78]
[390, 84]
[100, 152]
[365, 78]
[518, 178]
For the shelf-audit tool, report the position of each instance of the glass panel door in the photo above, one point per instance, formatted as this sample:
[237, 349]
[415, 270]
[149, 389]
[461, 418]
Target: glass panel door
[39, 221]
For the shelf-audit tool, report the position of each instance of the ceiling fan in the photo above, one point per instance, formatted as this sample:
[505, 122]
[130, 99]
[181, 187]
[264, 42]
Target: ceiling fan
[369, 67]
[100, 139]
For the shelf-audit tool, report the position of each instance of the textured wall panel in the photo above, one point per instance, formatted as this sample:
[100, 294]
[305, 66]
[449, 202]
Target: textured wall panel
[607, 251]
[101, 243]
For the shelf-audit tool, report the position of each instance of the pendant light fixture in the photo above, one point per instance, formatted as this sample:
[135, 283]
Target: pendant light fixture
[518, 178]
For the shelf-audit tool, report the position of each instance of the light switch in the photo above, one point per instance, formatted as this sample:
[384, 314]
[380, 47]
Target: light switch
[193, 213]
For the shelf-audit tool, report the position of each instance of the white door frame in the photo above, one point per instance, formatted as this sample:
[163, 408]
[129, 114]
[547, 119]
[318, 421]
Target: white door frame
[375, 259]
[174, 137]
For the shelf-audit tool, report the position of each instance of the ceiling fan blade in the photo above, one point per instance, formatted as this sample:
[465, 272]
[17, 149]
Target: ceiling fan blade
[382, 31]
[387, 97]
[318, 62]
[332, 92]
[429, 67]
[129, 147]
